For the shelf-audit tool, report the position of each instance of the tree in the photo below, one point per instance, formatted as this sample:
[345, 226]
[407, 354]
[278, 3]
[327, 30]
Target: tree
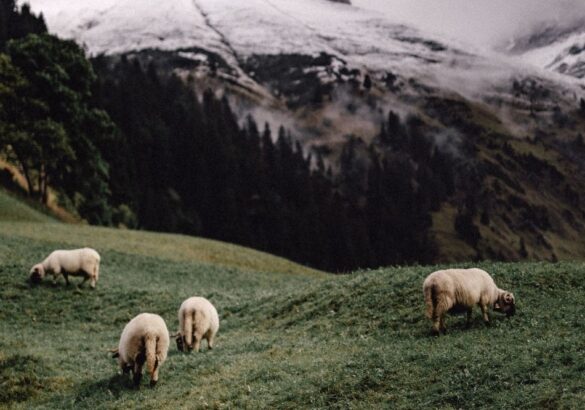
[466, 229]
[532, 90]
[367, 82]
[55, 130]
[17, 23]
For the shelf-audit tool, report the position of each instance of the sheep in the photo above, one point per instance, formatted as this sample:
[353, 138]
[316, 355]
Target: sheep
[198, 319]
[144, 339]
[76, 262]
[458, 290]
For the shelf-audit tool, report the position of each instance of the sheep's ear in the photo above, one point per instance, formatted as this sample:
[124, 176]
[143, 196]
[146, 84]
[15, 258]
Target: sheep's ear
[497, 305]
[114, 352]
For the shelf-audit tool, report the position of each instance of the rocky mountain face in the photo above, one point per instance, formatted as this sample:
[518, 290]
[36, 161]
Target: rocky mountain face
[331, 73]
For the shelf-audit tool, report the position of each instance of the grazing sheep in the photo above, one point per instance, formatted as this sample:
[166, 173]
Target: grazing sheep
[458, 290]
[76, 262]
[198, 319]
[144, 339]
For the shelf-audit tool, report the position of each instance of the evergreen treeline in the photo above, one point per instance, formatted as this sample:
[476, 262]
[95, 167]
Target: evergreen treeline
[184, 164]
[18, 22]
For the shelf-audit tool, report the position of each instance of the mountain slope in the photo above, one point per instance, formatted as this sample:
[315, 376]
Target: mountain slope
[331, 72]
[237, 31]
[114, 26]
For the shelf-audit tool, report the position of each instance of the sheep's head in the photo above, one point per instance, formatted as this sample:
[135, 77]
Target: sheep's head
[37, 273]
[180, 339]
[506, 304]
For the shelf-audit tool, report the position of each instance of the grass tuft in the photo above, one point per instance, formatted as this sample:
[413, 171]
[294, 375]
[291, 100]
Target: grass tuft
[22, 377]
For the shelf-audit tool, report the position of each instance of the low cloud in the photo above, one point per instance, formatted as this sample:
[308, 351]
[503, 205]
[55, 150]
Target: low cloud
[482, 23]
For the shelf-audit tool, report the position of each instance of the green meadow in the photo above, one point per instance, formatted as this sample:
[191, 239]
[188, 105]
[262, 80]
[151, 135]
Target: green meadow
[290, 337]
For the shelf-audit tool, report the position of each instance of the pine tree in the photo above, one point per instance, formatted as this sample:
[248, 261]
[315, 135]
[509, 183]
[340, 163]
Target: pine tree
[367, 82]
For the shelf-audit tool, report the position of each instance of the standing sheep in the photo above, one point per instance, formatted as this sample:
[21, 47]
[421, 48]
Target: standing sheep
[458, 290]
[144, 339]
[76, 262]
[198, 319]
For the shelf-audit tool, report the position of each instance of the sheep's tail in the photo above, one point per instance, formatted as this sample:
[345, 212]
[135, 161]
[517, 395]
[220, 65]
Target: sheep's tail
[430, 293]
[188, 327]
[150, 342]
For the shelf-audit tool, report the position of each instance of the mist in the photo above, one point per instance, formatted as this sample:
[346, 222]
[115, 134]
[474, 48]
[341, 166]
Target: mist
[485, 24]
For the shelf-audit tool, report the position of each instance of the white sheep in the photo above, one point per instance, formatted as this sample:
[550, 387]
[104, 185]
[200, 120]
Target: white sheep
[76, 262]
[144, 339]
[458, 290]
[198, 320]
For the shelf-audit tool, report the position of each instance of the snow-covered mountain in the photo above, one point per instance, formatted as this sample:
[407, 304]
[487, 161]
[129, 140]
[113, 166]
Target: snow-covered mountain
[285, 53]
[554, 46]
[282, 55]
[237, 31]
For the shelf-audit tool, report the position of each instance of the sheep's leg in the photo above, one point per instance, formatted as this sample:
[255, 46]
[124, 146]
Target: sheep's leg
[210, 338]
[469, 314]
[66, 276]
[442, 320]
[137, 374]
[441, 309]
[197, 337]
[83, 281]
[484, 311]
[154, 376]
[437, 322]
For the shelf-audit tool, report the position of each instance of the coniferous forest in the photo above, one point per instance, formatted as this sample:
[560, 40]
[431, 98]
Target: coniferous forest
[123, 145]
[184, 164]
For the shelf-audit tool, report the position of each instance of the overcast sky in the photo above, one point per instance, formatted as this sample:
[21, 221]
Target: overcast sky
[479, 22]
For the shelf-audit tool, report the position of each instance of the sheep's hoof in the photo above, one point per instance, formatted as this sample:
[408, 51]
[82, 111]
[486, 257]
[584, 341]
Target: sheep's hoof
[153, 383]
[435, 332]
[487, 323]
[137, 379]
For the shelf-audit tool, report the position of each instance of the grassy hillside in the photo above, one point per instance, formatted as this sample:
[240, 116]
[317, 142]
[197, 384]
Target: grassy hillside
[286, 340]
[170, 247]
[12, 209]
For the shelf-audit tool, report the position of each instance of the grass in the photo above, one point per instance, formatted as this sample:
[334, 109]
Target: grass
[290, 337]
[172, 247]
[286, 340]
[12, 209]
